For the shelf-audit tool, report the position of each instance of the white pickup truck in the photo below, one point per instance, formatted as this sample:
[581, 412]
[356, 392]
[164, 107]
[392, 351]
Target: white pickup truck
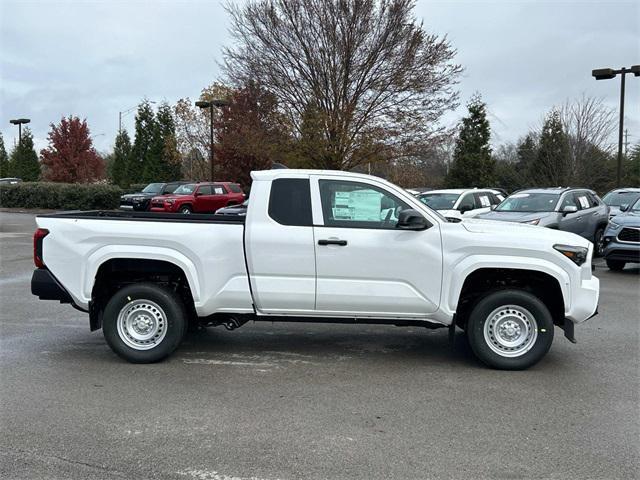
[317, 246]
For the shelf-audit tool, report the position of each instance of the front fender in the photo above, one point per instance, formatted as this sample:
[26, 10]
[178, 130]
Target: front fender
[457, 275]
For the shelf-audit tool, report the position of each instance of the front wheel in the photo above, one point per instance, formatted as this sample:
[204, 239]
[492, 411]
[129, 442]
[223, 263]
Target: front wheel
[598, 242]
[616, 265]
[144, 323]
[510, 329]
[186, 210]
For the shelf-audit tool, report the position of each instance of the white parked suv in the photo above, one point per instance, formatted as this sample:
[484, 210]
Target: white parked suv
[318, 246]
[456, 202]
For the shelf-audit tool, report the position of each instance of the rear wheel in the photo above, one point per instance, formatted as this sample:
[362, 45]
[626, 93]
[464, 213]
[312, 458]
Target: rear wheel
[144, 323]
[186, 210]
[510, 329]
[616, 265]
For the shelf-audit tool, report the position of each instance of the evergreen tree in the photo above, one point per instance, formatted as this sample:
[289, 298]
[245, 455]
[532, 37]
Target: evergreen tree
[166, 163]
[121, 156]
[23, 162]
[142, 153]
[552, 162]
[4, 159]
[472, 163]
[632, 167]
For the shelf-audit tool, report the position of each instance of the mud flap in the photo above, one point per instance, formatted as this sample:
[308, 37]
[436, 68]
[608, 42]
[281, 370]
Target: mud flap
[568, 330]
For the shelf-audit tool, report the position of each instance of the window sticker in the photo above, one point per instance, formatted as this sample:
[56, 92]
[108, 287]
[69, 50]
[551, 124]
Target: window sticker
[584, 202]
[357, 205]
[218, 191]
[484, 201]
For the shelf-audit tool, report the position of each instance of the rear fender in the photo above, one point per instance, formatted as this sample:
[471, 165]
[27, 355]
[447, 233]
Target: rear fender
[104, 254]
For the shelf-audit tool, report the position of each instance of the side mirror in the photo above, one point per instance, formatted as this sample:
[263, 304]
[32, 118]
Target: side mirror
[198, 194]
[465, 208]
[410, 219]
[569, 209]
[624, 207]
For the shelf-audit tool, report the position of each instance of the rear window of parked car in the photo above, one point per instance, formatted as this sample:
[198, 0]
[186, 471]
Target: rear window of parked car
[235, 188]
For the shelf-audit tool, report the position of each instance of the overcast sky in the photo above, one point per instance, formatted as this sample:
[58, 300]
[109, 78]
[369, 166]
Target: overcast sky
[96, 58]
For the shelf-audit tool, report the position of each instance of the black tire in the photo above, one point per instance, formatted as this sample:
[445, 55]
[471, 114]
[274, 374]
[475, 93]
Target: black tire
[186, 210]
[598, 242]
[616, 265]
[529, 310]
[172, 327]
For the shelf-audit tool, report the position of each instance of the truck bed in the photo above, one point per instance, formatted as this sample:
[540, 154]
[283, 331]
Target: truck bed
[147, 216]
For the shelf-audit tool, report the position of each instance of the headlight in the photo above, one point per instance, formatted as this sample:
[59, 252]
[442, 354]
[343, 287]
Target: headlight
[533, 222]
[170, 201]
[577, 255]
[137, 199]
[613, 225]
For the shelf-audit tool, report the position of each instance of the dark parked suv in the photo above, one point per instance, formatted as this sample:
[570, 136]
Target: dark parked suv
[622, 238]
[576, 210]
[141, 201]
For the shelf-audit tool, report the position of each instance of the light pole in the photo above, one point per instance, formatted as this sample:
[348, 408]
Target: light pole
[19, 122]
[218, 103]
[607, 74]
[125, 112]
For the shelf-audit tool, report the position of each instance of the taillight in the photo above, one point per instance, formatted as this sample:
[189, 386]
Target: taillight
[37, 246]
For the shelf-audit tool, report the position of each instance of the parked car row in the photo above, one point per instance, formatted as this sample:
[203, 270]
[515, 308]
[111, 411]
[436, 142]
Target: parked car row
[612, 224]
[184, 197]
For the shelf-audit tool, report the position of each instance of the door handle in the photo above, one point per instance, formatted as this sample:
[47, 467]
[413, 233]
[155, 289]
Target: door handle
[341, 243]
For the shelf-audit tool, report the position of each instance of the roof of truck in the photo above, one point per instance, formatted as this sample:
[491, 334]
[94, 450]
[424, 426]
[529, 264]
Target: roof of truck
[295, 172]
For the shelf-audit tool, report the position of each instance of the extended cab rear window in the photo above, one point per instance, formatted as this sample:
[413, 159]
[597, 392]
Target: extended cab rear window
[290, 202]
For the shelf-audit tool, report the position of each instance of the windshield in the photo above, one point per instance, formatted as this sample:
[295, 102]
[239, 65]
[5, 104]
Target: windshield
[439, 201]
[153, 188]
[636, 207]
[529, 202]
[615, 199]
[185, 189]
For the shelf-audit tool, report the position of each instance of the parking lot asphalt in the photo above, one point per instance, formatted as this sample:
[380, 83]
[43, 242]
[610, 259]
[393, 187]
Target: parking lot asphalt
[289, 401]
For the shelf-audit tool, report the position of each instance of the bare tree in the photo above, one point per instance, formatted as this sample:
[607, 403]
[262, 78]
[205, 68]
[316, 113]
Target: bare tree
[357, 78]
[193, 130]
[588, 123]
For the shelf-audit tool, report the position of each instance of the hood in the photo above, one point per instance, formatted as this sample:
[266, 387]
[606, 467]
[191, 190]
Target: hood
[139, 194]
[628, 219]
[451, 213]
[172, 197]
[519, 217]
[521, 230]
[614, 210]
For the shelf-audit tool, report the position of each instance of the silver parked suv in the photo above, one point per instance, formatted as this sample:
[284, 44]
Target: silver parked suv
[576, 210]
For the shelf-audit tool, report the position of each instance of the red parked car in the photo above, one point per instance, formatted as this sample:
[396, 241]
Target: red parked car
[205, 197]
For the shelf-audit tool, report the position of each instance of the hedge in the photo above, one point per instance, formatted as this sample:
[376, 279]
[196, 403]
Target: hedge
[60, 196]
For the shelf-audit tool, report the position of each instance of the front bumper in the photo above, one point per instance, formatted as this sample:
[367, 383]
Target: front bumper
[584, 300]
[622, 251]
[163, 209]
[138, 207]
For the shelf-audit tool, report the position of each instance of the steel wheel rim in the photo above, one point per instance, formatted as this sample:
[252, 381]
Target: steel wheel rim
[142, 324]
[510, 331]
[186, 211]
